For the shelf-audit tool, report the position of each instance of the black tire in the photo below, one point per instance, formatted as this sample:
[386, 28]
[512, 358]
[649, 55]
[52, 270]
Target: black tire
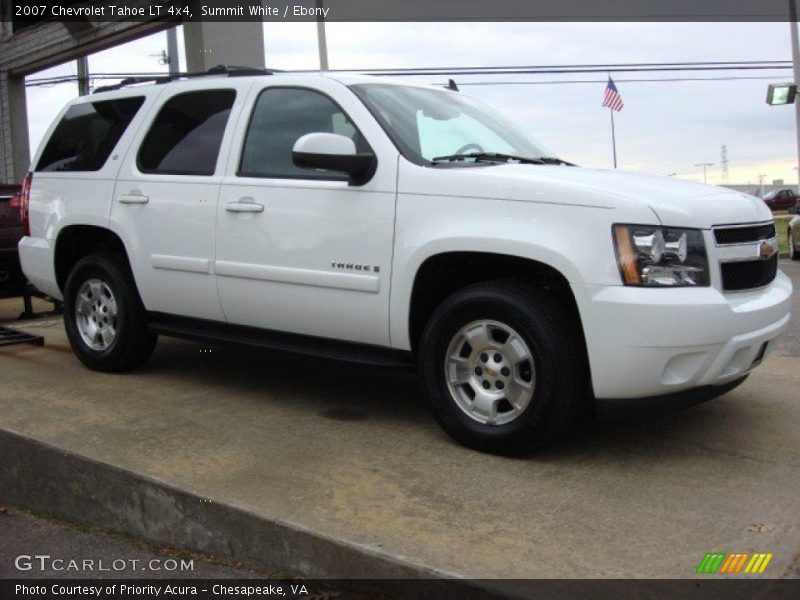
[133, 343]
[553, 336]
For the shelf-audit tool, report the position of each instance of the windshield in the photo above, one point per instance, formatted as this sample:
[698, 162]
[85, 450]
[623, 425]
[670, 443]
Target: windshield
[428, 123]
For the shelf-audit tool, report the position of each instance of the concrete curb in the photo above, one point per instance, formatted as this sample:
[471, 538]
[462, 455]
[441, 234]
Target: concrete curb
[46, 479]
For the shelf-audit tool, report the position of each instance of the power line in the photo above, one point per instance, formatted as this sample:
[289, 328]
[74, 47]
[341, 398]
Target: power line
[504, 70]
[70, 79]
[435, 70]
[595, 81]
[525, 71]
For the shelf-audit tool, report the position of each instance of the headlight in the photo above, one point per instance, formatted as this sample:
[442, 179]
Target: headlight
[653, 256]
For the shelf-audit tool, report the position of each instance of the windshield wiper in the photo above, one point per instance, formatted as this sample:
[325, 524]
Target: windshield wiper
[489, 157]
[552, 160]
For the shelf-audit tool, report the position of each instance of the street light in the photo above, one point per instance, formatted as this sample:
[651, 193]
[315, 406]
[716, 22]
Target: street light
[704, 165]
[761, 179]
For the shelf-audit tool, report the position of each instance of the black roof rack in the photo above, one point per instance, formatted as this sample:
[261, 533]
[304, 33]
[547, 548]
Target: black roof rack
[236, 71]
[229, 70]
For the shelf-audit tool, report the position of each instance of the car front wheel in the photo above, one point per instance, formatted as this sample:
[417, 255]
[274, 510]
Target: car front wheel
[504, 367]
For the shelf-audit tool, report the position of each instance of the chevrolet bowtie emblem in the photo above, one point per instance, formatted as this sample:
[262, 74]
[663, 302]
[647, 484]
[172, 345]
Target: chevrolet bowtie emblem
[766, 249]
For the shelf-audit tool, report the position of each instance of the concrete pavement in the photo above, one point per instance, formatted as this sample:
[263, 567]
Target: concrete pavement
[24, 536]
[354, 455]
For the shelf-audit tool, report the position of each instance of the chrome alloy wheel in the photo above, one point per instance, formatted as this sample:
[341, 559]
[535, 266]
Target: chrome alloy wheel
[96, 314]
[490, 372]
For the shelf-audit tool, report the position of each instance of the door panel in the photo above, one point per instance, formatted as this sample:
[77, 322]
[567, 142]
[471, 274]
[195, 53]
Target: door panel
[171, 243]
[316, 260]
[300, 265]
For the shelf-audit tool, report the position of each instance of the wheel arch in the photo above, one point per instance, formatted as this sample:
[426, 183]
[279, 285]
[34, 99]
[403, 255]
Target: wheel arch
[76, 241]
[441, 274]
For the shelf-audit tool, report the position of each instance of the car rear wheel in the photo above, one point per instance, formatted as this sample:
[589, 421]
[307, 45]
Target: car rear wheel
[504, 367]
[105, 320]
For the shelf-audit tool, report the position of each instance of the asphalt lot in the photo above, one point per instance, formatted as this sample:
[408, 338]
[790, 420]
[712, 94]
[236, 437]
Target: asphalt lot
[355, 454]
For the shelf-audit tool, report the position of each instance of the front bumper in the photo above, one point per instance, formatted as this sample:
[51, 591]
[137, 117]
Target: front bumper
[634, 408]
[646, 342]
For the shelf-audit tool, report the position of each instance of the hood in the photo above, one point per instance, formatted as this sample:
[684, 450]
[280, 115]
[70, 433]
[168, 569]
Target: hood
[676, 203]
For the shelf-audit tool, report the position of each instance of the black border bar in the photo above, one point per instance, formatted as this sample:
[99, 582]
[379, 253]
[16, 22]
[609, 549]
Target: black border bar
[397, 10]
[712, 588]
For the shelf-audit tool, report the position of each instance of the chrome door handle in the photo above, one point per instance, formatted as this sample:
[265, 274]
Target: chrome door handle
[134, 199]
[244, 205]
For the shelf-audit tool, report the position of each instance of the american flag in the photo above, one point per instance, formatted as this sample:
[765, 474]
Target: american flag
[612, 98]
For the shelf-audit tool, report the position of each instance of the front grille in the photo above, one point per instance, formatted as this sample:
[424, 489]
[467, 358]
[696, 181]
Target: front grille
[748, 274]
[742, 235]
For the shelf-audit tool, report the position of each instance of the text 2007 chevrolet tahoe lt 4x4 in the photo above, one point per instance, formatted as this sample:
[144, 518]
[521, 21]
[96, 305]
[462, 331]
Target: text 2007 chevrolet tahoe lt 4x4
[364, 219]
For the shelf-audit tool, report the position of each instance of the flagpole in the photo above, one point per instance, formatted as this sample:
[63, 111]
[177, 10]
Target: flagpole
[613, 137]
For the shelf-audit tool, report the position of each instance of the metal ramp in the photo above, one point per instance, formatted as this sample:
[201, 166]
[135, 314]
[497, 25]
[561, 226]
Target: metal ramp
[9, 337]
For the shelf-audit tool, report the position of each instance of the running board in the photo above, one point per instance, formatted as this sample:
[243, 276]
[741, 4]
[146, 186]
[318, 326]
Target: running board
[224, 333]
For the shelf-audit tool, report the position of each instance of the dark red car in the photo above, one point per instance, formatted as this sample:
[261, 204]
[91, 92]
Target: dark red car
[781, 199]
[10, 233]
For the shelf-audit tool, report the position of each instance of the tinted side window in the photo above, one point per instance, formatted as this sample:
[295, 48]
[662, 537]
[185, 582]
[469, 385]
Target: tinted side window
[87, 134]
[187, 133]
[280, 117]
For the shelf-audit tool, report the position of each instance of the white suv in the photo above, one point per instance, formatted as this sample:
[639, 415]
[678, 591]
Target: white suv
[358, 218]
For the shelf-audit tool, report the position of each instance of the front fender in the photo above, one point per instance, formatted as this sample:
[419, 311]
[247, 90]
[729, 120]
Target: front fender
[574, 240]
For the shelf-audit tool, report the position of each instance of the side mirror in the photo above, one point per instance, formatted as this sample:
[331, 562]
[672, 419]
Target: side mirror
[332, 152]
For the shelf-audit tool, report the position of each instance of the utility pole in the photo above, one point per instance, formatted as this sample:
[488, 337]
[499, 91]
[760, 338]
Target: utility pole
[796, 60]
[724, 163]
[704, 165]
[322, 41]
[761, 179]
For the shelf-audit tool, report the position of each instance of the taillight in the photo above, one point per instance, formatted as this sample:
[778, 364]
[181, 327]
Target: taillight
[24, 204]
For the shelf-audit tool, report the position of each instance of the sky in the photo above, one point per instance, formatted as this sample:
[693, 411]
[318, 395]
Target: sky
[665, 127]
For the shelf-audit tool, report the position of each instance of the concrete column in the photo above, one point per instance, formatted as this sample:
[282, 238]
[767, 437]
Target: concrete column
[14, 152]
[172, 51]
[83, 75]
[234, 44]
[322, 41]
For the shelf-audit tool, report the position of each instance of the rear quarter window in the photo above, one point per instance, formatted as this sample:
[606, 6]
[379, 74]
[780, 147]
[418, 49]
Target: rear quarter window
[87, 134]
